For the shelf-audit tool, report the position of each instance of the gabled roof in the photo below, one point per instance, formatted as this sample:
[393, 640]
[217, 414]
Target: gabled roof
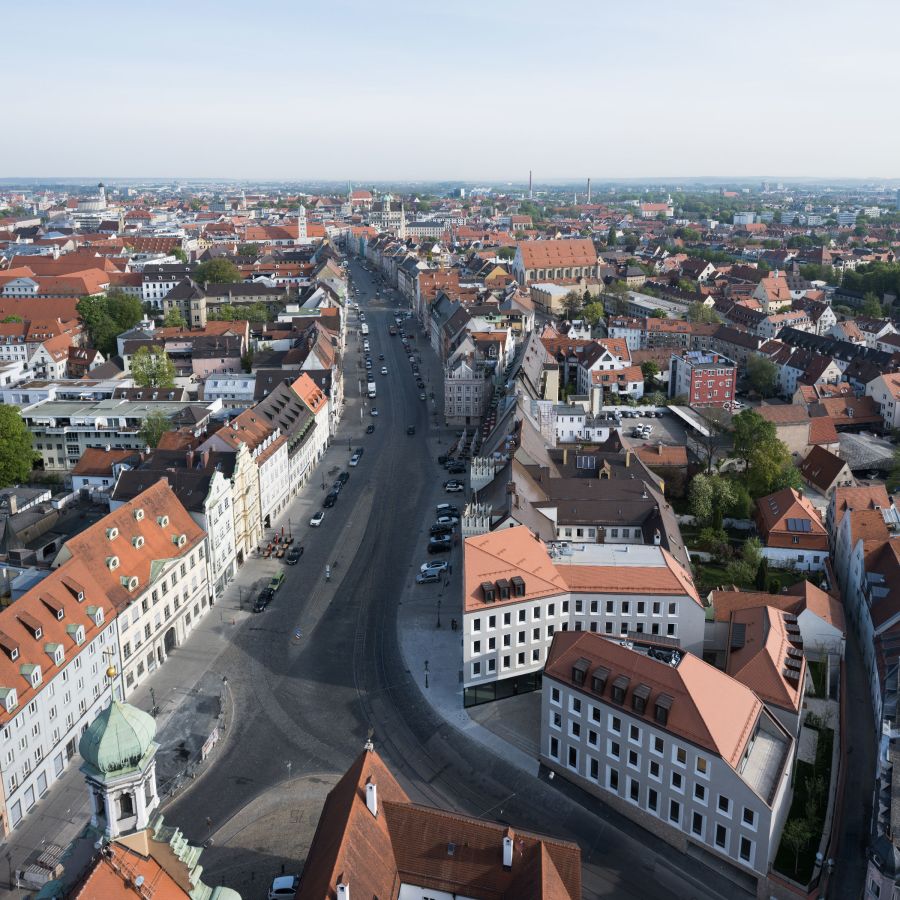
[555, 254]
[821, 467]
[795, 599]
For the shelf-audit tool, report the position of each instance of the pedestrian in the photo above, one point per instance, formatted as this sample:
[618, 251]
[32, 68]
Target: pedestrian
[208, 822]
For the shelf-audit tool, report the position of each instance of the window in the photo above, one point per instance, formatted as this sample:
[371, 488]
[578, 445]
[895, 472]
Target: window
[634, 759]
[476, 625]
[594, 769]
[634, 734]
[698, 824]
[612, 779]
[634, 790]
[554, 695]
[677, 782]
[675, 812]
[701, 767]
[615, 724]
[724, 805]
[749, 818]
[476, 668]
[654, 770]
[612, 749]
[592, 737]
[700, 793]
[652, 800]
[554, 747]
[722, 837]
[575, 705]
[679, 755]
[573, 757]
[657, 745]
[746, 850]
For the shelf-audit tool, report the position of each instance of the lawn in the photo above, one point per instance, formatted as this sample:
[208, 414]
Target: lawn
[810, 803]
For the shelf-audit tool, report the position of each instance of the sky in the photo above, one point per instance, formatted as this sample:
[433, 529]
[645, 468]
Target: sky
[474, 91]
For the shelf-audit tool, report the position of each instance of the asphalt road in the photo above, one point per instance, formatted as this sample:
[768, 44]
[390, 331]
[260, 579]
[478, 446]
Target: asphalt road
[306, 704]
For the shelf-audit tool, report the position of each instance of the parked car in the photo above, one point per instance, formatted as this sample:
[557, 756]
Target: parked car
[448, 520]
[442, 459]
[359, 451]
[453, 486]
[293, 555]
[427, 578]
[440, 530]
[330, 500]
[316, 520]
[354, 460]
[337, 486]
[436, 566]
[284, 887]
[373, 411]
[344, 477]
[276, 581]
[370, 428]
[456, 468]
[440, 545]
[422, 396]
[446, 509]
[420, 384]
[263, 600]
[411, 429]
[384, 370]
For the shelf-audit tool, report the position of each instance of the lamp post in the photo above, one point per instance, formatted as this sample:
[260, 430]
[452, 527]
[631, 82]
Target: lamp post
[439, 613]
[426, 674]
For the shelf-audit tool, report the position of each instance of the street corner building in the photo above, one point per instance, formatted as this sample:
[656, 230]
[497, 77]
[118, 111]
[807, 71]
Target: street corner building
[373, 841]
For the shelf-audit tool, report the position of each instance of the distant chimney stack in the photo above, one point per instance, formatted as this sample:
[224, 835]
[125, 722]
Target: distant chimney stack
[507, 852]
[343, 891]
[372, 797]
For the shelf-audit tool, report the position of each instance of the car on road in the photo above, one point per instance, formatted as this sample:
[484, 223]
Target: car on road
[637, 431]
[344, 477]
[370, 428]
[293, 555]
[284, 887]
[373, 411]
[276, 581]
[448, 520]
[263, 600]
[330, 500]
[354, 460]
[337, 486]
[437, 565]
[440, 545]
[456, 468]
[427, 578]
[316, 520]
[384, 370]
[453, 486]
[381, 357]
[446, 509]
[420, 384]
[411, 429]
[422, 396]
[440, 530]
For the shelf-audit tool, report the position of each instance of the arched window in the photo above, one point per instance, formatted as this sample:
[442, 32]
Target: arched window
[126, 806]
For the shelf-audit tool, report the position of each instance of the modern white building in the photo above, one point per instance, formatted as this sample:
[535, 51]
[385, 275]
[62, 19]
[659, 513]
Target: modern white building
[517, 596]
[679, 747]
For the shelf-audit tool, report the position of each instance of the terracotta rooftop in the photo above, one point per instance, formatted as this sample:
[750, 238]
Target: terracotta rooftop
[861, 497]
[795, 599]
[554, 254]
[821, 468]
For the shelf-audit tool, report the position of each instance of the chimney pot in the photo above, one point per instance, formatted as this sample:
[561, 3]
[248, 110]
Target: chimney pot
[507, 852]
[343, 891]
[372, 797]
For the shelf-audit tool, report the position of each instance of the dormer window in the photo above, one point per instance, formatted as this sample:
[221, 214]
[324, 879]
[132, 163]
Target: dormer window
[619, 688]
[96, 614]
[599, 679]
[138, 514]
[179, 539]
[661, 709]
[9, 699]
[162, 521]
[112, 533]
[112, 563]
[129, 582]
[137, 541]
[76, 632]
[579, 671]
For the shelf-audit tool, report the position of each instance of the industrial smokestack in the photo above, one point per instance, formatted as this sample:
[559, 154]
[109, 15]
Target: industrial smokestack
[589, 191]
[530, 193]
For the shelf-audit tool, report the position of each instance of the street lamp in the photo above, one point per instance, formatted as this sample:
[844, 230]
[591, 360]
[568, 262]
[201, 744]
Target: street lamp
[426, 673]
[439, 613]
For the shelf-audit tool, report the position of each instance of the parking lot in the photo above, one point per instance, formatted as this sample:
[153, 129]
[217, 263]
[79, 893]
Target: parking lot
[669, 428]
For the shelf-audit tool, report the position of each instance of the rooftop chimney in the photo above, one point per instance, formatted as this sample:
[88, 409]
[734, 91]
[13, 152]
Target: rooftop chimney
[507, 851]
[343, 891]
[372, 797]
[627, 459]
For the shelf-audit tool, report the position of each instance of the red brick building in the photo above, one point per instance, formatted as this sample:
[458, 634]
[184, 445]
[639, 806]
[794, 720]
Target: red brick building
[704, 377]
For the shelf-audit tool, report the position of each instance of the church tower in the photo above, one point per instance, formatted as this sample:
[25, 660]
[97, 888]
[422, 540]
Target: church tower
[301, 225]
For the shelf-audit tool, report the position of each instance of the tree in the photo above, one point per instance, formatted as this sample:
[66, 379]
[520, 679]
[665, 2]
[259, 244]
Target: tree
[9, 319]
[571, 304]
[106, 317]
[796, 835]
[649, 370]
[750, 429]
[743, 571]
[593, 312]
[762, 375]
[712, 497]
[174, 319]
[217, 271]
[152, 368]
[16, 454]
[611, 238]
[697, 312]
[770, 468]
[506, 253]
[153, 428]
[252, 250]
[228, 312]
[179, 254]
[658, 314]
[893, 479]
[870, 306]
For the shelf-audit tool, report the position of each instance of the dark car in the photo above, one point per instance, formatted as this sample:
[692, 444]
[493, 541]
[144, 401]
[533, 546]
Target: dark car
[411, 429]
[330, 500]
[263, 600]
[337, 486]
[370, 429]
[442, 459]
[439, 529]
[440, 545]
[358, 451]
[293, 555]
[344, 477]
[456, 469]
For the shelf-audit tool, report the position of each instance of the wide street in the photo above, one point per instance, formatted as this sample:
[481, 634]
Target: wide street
[321, 670]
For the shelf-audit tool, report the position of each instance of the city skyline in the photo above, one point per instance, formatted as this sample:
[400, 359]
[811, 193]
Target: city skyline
[390, 93]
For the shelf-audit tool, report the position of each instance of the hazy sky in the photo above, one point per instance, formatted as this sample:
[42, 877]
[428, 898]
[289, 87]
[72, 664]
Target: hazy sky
[468, 89]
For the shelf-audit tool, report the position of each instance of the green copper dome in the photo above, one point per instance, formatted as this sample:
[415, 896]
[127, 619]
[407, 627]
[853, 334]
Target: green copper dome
[118, 738]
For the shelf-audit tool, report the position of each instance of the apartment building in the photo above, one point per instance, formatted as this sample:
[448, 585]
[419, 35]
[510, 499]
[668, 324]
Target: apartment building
[518, 593]
[56, 642]
[705, 378]
[63, 429]
[468, 388]
[149, 558]
[677, 746]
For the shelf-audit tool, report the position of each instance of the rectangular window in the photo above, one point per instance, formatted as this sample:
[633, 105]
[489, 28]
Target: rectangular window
[675, 812]
[554, 747]
[724, 805]
[746, 850]
[612, 779]
[652, 800]
[749, 818]
[697, 824]
[573, 757]
[634, 790]
[700, 793]
[721, 836]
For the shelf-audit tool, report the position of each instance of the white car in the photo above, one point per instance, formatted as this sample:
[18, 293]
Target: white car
[437, 565]
[284, 887]
[384, 370]
[447, 520]
[316, 520]
[354, 460]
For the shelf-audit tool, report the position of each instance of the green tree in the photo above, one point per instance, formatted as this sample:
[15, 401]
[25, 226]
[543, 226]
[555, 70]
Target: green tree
[649, 370]
[697, 312]
[714, 540]
[152, 368]
[870, 306]
[571, 304]
[762, 375]
[179, 254]
[611, 238]
[252, 250]
[770, 468]
[195, 205]
[174, 319]
[106, 317]
[893, 479]
[750, 429]
[743, 571]
[506, 253]
[124, 309]
[217, 271]
[593, 312]
[9, 319]
[796, 835]
[17, 455]
[658, 314]
[251, 312]
[762, 575]
[154, 426]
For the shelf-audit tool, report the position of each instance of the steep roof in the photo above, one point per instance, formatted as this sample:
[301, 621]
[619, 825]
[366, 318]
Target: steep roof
[795, 599]
[554, 254]
[821, 467]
